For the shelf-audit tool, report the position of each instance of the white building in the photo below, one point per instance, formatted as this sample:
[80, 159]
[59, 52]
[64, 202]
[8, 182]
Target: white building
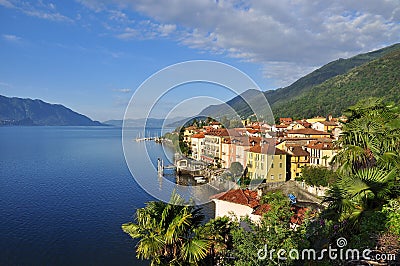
[239, 203]
[197, 145]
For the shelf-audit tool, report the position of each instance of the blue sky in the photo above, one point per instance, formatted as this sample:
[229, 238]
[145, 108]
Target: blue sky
[92, 55]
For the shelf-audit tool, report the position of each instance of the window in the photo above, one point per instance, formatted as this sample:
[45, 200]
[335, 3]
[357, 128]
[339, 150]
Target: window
[280, 165]
[272, 165]
[280, 176]
[280, 156]
[272, 177]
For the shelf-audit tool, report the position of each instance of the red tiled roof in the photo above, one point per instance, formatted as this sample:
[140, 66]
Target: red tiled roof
[198, 136]
[239, 196]
[263, 208]
[285, 119]
[298, 151]
[307, 131]
[253, 131]
[218, 132]
[279, 152]
[318, 145]
[299, 215]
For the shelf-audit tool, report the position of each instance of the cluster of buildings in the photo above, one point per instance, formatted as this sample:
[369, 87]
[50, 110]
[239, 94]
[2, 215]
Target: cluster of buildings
[274, 153]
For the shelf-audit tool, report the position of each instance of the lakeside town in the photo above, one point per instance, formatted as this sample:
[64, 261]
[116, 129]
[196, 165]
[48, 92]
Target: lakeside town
[290, 145]
[268, 155]
[301, 185]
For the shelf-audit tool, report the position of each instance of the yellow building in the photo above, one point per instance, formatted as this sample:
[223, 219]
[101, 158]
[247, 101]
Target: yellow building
[326, 126]
[189, 131]
[279, 168]
[316, 119]
[321, 153]
[261, 165]
[298, 159]
[307, 133]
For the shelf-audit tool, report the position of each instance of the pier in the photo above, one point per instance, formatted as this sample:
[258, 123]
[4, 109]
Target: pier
[186, 166]
[161, 167]
[156, 139]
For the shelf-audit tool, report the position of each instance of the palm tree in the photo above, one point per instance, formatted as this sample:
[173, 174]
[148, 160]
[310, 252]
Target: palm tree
[368, 161]
[325, 158]
[218, 233]
[167, 232]
[370, 137]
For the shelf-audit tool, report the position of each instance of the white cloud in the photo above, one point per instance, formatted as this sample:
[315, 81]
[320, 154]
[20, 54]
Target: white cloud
[123, 90]
[128, 33]
[297, 34]
[6, 3]
[5, 84]
[11, 38]
[47, 15]
[40, 10]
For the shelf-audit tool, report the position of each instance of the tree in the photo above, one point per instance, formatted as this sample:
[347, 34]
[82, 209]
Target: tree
[235, 124]
[273, 232]
[218, 232]
[167, 232]
[368, 162]
[236, 169]
[370, 137]
[317, 176]
[325, 158]
[225, 122]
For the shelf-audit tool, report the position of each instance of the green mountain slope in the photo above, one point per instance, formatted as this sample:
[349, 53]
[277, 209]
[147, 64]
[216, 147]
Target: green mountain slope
[237, 104]
[330, 70]
[27, 112]
[283, 97]
[378, 78]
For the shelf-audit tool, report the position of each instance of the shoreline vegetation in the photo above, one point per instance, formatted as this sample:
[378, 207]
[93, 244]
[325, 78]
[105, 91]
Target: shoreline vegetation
[362, 206]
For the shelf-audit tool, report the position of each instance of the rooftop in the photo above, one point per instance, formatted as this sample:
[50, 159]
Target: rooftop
[240, 196]
[298, 151]
[320, 145]
[198, 136]
[307, 131]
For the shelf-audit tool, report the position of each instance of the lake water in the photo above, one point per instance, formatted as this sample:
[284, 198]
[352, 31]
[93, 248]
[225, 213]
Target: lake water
[64, 193]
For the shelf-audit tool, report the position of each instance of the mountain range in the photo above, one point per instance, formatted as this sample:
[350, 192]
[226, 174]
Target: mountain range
[27, 112]
[329, 89]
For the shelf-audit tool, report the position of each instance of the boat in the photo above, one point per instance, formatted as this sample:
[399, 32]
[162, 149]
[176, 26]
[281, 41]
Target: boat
[200, 179]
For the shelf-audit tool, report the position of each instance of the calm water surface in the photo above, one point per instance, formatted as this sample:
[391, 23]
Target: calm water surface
[64, 193]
